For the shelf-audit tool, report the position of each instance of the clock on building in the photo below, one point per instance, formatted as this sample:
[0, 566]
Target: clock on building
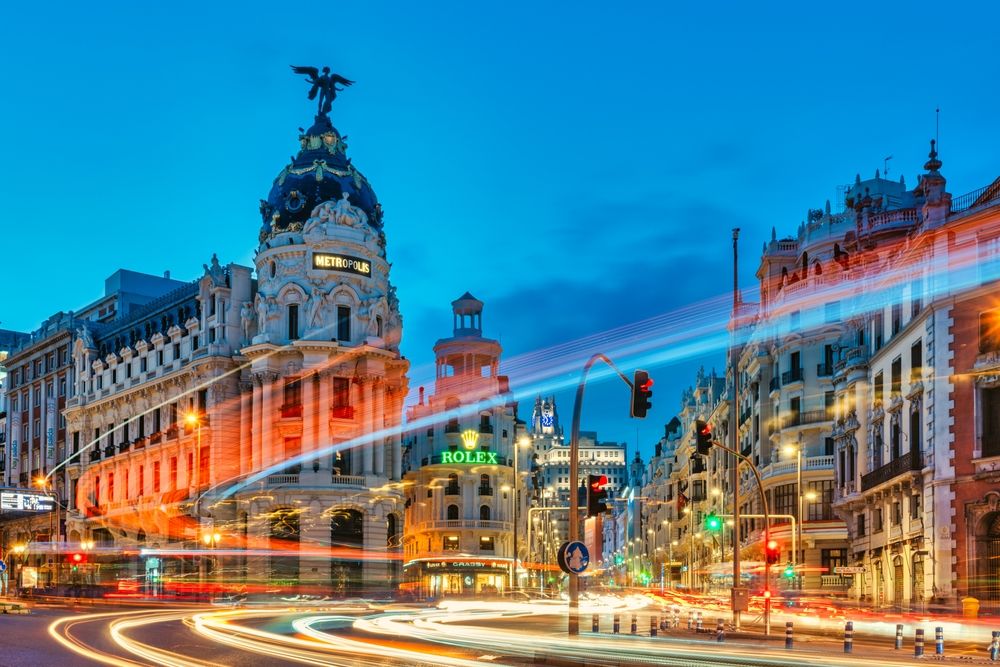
[547, 420]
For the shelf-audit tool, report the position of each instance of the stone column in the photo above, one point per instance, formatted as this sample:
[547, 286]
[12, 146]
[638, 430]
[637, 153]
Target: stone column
[257, 417]
[367, 410]
[323, 413]
[267, 444]
[246, 428]
[378, 423]
[395, 398]
[308, 411]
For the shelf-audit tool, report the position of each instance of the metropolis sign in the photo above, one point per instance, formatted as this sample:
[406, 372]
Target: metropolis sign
[331, 262]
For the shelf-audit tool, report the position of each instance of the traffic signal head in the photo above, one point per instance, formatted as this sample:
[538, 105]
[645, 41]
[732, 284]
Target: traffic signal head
[789, 571]
[641, 393]
[703, 436]
[713, 523]
[596, 494]
[772, 551]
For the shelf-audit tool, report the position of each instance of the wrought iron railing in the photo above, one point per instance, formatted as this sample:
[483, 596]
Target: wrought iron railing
[978, 197]
[907, 462]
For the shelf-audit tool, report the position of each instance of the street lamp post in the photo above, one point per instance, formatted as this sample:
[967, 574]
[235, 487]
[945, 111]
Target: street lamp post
[211, 541]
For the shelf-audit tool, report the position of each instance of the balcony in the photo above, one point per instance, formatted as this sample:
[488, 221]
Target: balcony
[909, 462]
[486, 428]
[156, 438]
[807, 417]
[95, 455]
[282, 480]
[353, 481]
[468, 524]
[451, 427]
[824, 370]
[342, 412]
[794, 375]
[452, 490]
[486, 490]
[292, 411]
[791, 467]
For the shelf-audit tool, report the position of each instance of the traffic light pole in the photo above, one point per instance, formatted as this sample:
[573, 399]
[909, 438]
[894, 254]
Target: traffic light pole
[767, 529]
[573, 623]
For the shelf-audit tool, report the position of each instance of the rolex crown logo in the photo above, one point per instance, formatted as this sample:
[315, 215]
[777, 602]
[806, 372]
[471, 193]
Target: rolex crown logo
[470, 439]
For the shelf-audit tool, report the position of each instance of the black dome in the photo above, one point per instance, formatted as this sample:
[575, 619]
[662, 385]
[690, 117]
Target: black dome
[320, 172]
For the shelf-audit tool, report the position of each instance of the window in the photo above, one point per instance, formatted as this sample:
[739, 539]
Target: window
[203, 466]
[173, 472]
[897, 513]
[877, 520]
[111, 487]
[915, 506]
[990, 401]
[484, 513]
[293, 391]
[293, 321]
[879, 386]
[989, 259]
[343, 323]
[897, 317]
[832, 558]
[159, 357]
[794, 320]
[916, 361]
[177, 351]
[141, 482]
[341, 392]
[784, 499]
[378, 326]
[486, 543]
[878, 331]
[452, 513]
[916, 298]
[156, 476]
[451, 543]
[897, 376]
[142, 364]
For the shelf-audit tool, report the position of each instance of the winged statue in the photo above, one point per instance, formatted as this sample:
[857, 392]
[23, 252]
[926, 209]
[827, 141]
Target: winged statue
[324, 85]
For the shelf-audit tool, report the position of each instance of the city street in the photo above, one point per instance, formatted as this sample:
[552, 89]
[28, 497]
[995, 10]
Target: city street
[456, 633]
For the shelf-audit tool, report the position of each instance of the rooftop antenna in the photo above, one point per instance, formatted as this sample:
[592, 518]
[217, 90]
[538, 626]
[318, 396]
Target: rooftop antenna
[885, 166]
[937, 128]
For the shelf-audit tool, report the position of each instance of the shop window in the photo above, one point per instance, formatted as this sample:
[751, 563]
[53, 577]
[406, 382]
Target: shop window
[451, 543]
[485, 543]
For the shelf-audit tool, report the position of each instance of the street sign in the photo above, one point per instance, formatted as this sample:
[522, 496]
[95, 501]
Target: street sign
[573, 557]
[843, 569]
[26, 501]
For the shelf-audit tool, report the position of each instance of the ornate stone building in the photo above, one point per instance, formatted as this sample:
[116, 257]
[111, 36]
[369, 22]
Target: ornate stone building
[466, 501]
[259, 414]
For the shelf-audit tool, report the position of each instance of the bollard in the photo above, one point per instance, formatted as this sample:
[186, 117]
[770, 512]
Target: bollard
[635, 624]
[788, 634]
[995, 646]
[652, 626]
[677, 617]
[697, 622]
[918, 644]
[720, 630]
[848, 636]
[664, 622]
[899, 636]
[595, 623]
[690, 617]
[938, 641]
[616, 624]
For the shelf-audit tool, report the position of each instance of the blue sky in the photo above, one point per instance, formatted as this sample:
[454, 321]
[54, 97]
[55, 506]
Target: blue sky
[577, 169]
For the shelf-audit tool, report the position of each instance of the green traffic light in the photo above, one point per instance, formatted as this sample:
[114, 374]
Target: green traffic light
[789, 571]
[713, 523]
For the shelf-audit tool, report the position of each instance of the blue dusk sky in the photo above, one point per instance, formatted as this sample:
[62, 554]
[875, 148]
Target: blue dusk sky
[577, 166]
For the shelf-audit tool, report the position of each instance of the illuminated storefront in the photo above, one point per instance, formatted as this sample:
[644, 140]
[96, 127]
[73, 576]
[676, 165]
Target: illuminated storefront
[459, 576]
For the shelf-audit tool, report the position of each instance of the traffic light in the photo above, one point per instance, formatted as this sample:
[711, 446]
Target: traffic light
[75, 559]
[772, 552]
[703, 436]
[789, 571]
[641, 393]
[596, 494]
[713, 523]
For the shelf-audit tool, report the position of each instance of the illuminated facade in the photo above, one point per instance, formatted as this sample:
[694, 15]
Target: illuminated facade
[465, 491]
[259, 413]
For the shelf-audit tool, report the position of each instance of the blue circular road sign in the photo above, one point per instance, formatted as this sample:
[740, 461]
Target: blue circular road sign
[573, 557]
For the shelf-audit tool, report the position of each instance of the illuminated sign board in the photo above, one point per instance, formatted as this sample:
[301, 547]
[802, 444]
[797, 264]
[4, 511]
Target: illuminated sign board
[472, 458]
[23, 501]
[346, 263]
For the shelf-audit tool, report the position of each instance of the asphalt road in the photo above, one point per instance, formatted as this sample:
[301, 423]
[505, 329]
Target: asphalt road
[464, 634]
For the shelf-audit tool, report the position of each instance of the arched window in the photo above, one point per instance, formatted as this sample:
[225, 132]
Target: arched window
[391, 531]
[378, 326]
[452, 512]
[347, 529]
[293, 321]
[484, 513]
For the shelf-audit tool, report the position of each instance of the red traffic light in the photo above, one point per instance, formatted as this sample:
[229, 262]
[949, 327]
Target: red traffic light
[767, 593]
[706, 429]
[598, 482]
[772, 551]
[76, 557]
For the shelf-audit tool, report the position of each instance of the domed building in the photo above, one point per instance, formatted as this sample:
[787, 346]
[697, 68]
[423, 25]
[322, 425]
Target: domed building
[260, 414]
[327, 376]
